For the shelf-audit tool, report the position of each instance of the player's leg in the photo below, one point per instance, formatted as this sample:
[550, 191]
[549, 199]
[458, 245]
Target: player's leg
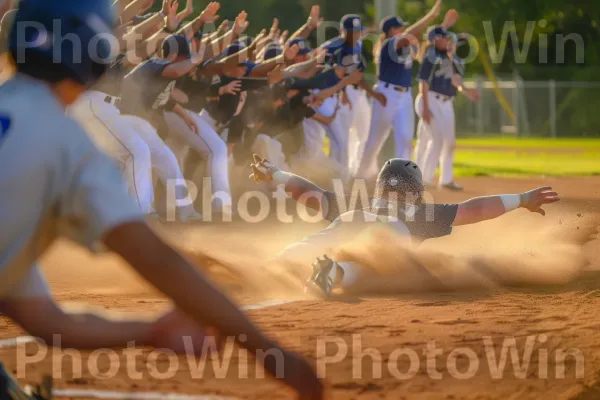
[359, 129]
[209, 145]
[166, 166]
[115, 136]
[404, 126]
[434, 146]
[422, 134]
[379, 131]
[448, 149]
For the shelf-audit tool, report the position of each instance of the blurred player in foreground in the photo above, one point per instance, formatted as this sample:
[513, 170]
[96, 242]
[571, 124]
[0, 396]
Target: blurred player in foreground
[399, 203]
[55, 182]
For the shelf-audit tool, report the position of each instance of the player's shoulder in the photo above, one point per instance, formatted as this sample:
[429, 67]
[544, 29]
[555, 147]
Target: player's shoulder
[333, 44]
[432, 56]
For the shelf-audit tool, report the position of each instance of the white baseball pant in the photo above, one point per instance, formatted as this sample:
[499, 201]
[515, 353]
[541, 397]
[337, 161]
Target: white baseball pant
[441, 137]
[337, 131]
[209, 145]
[120, 140]
[359, 131]
[397, 114]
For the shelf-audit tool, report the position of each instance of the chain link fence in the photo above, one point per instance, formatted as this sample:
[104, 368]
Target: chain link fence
[540, 108]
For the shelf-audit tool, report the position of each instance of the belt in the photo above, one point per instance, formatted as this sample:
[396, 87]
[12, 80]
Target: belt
[401, 89]
[114, 101]
[443, 97]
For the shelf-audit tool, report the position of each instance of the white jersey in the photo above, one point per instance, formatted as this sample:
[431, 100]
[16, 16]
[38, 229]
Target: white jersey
[53, 181]
[341, 231]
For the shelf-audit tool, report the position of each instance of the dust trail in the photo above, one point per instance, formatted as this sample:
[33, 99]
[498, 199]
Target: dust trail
[517, 250]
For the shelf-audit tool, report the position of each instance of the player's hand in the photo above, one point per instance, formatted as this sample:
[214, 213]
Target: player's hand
[223, 27]
[451, 18]
[241, 23]
[274, 28]
[283, 37]
[300, 376]
[535, 199]
[314, 19]
[473, 95]
[290, 53]
[380, 97]
[169, 330]
[166, 4]
[172, 22]
[232, 88]
[262, 169]
[427, 115]
[209, 14]
[189, 10]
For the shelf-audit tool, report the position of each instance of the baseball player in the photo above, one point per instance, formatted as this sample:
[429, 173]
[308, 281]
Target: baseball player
[345, 51]
[394, 54]
[440, 78]
[55, 182]
[397, 202]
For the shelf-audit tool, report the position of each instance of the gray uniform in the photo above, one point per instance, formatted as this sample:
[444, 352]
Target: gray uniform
[53, 182]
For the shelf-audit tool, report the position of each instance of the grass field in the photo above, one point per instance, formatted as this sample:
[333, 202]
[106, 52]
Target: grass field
[527, 157]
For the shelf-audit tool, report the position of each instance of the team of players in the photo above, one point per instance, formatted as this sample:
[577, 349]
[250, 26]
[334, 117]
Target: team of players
[183, 99]
[55, 182]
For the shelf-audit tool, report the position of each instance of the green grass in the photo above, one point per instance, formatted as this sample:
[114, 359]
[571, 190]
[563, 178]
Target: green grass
[536, 143]
[527, 157]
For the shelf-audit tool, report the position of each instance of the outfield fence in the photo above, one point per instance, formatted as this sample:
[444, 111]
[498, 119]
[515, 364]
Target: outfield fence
[539, 109]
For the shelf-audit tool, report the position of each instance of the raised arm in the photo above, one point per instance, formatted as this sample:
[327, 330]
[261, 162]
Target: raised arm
[353, 78]
[416, 30]
[300, 189]
[208, 15]
[313, 22]
[134, 8]
[490, 207]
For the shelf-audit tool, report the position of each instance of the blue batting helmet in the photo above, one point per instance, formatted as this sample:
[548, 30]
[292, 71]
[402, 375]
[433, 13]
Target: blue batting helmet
[75, 34]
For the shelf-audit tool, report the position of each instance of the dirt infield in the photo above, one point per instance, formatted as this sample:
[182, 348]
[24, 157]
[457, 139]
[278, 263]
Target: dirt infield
[420, 345]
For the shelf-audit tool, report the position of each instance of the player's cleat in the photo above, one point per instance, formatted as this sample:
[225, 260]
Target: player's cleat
[10, 389]
[320, 282]
[453, 186]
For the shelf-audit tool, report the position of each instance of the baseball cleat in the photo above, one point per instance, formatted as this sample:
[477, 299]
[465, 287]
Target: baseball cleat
[320, 282]
[453, 186]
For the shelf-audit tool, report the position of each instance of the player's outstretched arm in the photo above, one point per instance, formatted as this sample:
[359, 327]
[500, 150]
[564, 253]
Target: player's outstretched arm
[415, 31]
[192, 293]
[490, 207]
[298, 188]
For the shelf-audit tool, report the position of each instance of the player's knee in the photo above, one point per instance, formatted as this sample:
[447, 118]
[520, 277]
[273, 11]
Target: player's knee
[219, 149]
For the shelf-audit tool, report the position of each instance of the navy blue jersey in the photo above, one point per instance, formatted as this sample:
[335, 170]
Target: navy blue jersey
[437, 70]
[395, 65]
[341, 53]
[429, 221]
[146, 93]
